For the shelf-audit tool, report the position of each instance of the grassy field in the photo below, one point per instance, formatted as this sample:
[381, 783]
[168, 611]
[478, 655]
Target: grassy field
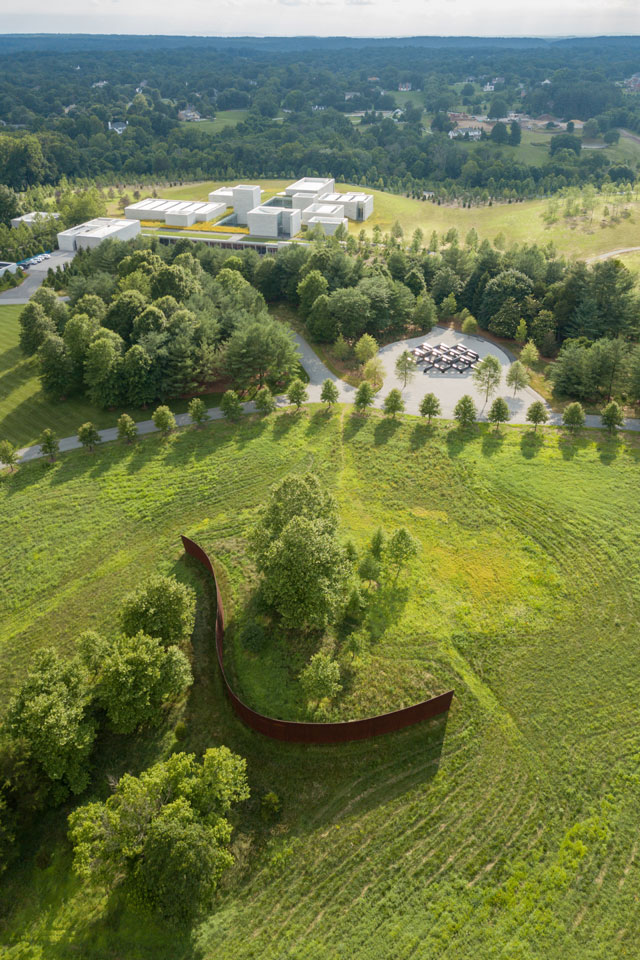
[534, 149]
[222, 119]
[25, 411]
[518, 222]
[507, 831]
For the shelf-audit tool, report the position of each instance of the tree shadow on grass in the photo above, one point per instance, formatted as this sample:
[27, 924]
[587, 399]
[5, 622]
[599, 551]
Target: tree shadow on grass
[531, 443]
[421, 433]
[457, 439]
[285, 421]
[610, 448]
[571, 444]
[385, 608]
[492, 442]
[353, 424]
[319, 420]
[385, 430]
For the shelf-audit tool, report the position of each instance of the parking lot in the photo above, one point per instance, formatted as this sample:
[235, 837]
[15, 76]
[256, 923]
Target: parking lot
[36, 272]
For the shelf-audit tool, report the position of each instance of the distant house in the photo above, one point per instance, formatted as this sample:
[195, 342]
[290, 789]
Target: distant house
[461, 133]
[488, 88]
[100, 83]
[373, 79]
[189, 114]
[404, 87]
[350, 94]
[118, 125]
[546, 83]
[498, 80]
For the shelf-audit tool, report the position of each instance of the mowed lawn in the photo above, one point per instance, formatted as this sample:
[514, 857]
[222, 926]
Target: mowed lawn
[24, 410]
[508, 830]
[517, 222]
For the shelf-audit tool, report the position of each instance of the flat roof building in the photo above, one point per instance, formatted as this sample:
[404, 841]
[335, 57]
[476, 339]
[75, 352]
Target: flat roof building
[317, 186]
[34, 217]
[274, 222]
[175, 213]
[92, 233]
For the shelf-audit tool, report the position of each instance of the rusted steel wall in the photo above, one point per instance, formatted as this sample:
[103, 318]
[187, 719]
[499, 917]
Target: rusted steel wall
[300, 731]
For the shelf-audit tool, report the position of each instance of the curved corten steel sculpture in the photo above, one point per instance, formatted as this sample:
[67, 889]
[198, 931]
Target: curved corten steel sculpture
[300, 731]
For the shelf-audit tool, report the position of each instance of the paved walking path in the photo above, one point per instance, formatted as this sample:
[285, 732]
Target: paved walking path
[447, 387]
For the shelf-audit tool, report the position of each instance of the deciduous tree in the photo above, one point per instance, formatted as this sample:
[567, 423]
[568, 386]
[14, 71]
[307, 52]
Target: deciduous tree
[161, 607]
[430, 406]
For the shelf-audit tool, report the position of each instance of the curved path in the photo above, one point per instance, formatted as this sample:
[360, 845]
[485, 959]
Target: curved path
[610, 254]
[448, 388]
[300, 731]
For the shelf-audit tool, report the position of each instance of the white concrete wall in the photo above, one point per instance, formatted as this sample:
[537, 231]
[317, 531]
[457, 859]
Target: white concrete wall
[264, 221]
[291, 222]
[329, 225]
[180, 219]
[245, 198]
[367, 207]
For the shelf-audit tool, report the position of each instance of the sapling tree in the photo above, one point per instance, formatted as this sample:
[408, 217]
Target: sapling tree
[329, 393]
[365, 348]
[88, 436]
[517, 376]
[465, 411]
[393, 403]
[405, 368]
[198, 411]
[430, 406]
[163, 420]
[573, 417]
[49, 443]
[537, 414]
[499, 412]
[127, 428]
[364, 397]
[487, 376]
[320, 679]
[297, 393]
[612, 416]
[230, 405]
[8, 455]
[265, 401]
[529, 355]
[402, 546]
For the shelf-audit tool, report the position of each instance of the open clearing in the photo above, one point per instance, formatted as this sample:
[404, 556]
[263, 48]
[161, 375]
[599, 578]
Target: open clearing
[518, 222]
[508, 831]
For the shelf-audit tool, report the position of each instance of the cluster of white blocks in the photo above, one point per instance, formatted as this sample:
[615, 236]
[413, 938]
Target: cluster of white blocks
[93, 232]
[175, 213]
[311, 201]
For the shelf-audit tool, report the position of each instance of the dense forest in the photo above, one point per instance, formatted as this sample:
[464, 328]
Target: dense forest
[57, 105]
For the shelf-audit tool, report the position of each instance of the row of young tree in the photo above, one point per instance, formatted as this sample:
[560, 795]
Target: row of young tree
[162, 837]
[151, 322]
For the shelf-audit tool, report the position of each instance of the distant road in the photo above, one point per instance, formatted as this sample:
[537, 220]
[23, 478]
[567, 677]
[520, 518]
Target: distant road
[612, 253]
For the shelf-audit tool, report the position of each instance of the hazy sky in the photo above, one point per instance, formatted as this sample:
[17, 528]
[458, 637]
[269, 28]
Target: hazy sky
[326, 17]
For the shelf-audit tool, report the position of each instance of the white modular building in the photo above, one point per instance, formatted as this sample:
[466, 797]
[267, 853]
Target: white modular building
[175, 213]
[222, 194]
[317, 186]
[30, 218]
[329, 224]
[244, 198]
[92, 233]
[356, 206]
[333, 211]
[274, 222]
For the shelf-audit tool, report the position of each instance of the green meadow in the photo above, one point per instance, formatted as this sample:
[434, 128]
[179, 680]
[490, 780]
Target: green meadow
[506, 830]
